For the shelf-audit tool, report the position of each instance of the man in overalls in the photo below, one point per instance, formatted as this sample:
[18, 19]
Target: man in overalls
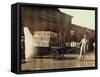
[83, 47]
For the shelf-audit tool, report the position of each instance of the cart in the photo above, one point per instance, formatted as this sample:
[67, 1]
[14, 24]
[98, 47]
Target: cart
[55, 49]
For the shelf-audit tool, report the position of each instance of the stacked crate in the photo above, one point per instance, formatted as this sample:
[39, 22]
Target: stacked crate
[71, 44]
[44, 38]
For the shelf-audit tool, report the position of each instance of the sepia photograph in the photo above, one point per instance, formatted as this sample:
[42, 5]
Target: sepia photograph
[57, 38]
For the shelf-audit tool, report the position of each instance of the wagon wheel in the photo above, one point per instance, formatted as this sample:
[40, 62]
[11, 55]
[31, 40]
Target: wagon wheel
[54, 54]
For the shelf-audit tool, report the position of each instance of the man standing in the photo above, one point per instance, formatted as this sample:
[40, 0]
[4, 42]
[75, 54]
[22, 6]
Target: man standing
[83, 48]
[22, 49]
[94, 46]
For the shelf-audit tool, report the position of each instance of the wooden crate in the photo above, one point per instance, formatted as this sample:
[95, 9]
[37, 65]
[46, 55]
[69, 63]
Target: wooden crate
[71, 44]
[41, 44]
[45, 33]
[44, 38]
[41, 38]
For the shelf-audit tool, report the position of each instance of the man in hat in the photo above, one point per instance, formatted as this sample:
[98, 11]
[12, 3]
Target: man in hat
[83, 47]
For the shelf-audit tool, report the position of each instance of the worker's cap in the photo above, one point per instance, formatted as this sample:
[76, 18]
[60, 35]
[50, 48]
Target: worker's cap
[84, 35]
